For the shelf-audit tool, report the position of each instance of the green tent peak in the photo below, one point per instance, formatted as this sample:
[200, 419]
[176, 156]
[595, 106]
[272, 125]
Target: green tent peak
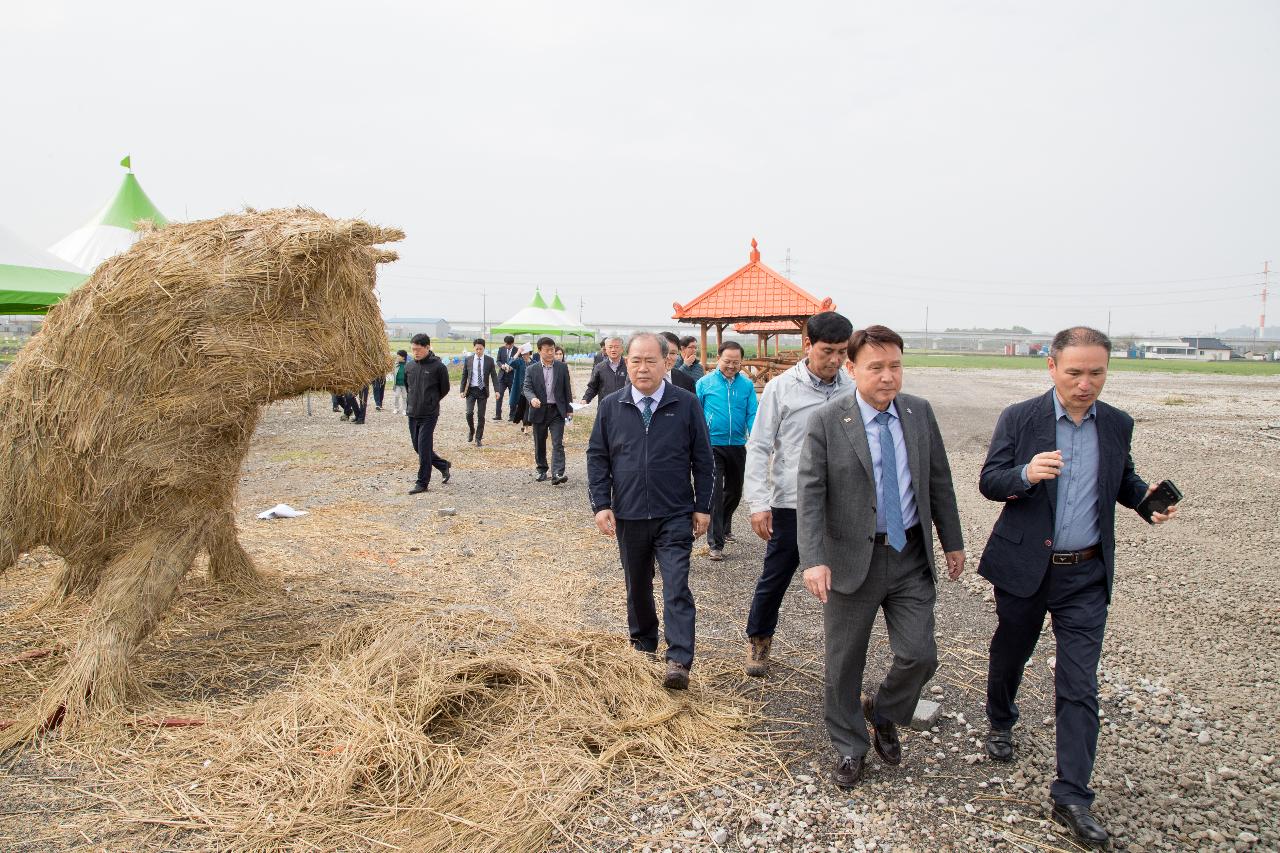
[538, 301]
[556, 304]
[130, 205]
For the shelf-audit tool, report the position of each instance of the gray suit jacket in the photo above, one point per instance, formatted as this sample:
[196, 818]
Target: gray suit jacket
[836, 488]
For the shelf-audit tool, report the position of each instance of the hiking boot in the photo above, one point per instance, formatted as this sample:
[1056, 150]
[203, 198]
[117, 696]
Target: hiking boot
[758, 656]
[677, 676]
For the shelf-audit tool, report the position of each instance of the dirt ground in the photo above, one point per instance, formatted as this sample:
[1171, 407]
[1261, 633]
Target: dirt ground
[1186, 756]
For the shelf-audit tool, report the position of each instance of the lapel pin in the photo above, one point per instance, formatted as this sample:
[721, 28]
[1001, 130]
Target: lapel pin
[908, 411]
[848, 420]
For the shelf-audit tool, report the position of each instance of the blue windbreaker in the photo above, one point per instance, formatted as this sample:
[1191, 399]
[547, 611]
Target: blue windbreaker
[730, 408]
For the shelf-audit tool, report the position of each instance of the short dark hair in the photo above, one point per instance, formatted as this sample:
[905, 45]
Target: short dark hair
[480, 341]
[727, 345]
[603, 341]
[508, 340]
[664, 346]
[671, 339]
[828, 328]
[544, 341]
[686, 340]
[1079, 336]
[402, 353]
[881, 336]
[422, 339]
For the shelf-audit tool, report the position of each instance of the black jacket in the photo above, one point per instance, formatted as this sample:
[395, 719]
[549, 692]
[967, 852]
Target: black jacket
[663, 471]
[488, 375]
[427, 382]
[536, 389]
[1017, 553]
[604, 381]
[683, 380]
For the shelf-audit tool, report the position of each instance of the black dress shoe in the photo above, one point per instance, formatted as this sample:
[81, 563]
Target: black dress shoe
[556, 481]
[1000, 745]
[1082, 824]
[417, 489]
[541, 477]
[847, 771]
[446, 473]
[883, 737]
[479, 443]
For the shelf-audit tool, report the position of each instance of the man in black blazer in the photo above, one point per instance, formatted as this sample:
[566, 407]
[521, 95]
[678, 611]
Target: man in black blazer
[1059, 463]
[548, 389]
[478, 376]
[678, 378]
[506, 355]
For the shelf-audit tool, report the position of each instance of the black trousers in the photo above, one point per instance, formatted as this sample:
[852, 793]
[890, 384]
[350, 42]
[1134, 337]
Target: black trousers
[552, 425]
[379, 391]
[356, 404]
[726, 494]
[477, 403]
[504, 385]
[667, 541]
[1077, 598]
[422, 433]
[781, 559]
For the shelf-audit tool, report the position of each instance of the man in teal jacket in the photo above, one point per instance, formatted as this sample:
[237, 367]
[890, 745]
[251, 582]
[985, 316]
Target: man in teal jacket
[729, 403]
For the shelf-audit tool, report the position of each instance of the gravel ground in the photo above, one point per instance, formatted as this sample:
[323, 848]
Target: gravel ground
[1186, 755]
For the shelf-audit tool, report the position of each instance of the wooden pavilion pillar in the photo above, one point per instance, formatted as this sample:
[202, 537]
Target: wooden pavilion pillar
[703, 353]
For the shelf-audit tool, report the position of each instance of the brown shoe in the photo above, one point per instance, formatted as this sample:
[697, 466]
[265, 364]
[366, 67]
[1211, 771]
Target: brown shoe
[677, 676]
[847, 771]
[883, 737]
[758, 656]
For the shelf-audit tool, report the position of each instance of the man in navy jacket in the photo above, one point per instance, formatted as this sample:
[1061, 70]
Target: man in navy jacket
[649, 474]
[1059, 463]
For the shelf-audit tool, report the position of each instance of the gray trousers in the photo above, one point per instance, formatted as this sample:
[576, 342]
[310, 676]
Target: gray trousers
[553, 424]
[903, 586]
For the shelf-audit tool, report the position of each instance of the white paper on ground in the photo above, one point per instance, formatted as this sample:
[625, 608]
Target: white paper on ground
[282, 511]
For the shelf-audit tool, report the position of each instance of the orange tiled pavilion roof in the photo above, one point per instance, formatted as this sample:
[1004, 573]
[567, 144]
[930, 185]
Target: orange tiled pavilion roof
[753, 293]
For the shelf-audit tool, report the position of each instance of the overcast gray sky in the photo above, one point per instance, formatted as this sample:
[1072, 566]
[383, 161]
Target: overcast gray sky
[999, 162]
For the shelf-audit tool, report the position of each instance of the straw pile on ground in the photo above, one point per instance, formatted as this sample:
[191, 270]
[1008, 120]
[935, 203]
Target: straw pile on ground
[437, 728]
[124, 423]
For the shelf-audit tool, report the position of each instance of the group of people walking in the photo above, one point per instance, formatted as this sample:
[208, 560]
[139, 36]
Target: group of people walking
[847, 479]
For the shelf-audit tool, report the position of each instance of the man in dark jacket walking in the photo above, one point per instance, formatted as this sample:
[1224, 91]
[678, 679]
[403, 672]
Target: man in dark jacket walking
[427, 381]
[609, 374]
[549, 390]
[649, 470]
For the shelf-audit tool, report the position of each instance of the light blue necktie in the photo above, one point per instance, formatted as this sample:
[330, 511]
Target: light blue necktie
[647, 414]
[890, 497]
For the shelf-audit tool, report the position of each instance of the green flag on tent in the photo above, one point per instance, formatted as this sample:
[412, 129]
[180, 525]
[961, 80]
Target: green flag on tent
[126, 162]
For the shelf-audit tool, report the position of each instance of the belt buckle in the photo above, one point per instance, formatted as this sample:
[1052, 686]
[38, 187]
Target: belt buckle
[1065, 559]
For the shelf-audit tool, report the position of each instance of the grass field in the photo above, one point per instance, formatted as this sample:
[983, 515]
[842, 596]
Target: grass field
[1016, 362]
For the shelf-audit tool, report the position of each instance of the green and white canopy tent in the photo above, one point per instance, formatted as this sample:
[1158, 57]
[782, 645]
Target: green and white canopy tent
[537, 318]
[32, 280]
[113, 229]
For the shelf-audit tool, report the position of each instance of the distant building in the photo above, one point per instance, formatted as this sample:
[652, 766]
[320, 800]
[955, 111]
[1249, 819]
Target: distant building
[1186, 349]
[402, 328]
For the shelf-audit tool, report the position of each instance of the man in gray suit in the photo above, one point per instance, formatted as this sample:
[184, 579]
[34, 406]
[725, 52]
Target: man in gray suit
[873, 482]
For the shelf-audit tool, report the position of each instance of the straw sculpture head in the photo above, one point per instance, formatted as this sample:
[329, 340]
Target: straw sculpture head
[125, 421]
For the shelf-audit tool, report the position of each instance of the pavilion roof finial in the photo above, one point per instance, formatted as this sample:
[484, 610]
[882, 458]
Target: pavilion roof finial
[755, 252]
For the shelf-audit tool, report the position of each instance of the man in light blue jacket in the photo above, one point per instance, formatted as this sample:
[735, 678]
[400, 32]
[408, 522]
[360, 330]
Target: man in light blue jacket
[729, 403]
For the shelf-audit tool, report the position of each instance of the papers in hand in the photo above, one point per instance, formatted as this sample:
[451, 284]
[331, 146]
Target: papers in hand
[580, 405]
[282, 511]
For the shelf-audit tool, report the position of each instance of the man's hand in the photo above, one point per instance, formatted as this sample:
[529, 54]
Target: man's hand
[1044, 466]
[762, 524]
[462, 393]
[701, 521]
[1161, 517]
[605, 523]
[536, 403]
[817, 579]
[689, 360]
[955, 564]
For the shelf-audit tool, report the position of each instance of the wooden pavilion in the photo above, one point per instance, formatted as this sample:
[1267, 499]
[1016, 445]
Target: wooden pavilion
[765, 332]
[756, 297]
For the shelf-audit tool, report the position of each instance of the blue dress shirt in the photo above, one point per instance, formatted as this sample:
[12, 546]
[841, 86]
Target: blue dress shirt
[1075, 522]
[907, 495]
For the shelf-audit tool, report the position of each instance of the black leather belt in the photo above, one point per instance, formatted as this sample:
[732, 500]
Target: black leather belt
[1070, 558]
[913, 533]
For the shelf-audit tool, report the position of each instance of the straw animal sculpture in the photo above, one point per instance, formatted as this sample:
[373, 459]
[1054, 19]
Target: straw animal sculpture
[125, 421]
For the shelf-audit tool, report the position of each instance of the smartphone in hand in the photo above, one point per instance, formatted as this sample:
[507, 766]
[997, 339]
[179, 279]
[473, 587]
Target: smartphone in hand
[1165, 496]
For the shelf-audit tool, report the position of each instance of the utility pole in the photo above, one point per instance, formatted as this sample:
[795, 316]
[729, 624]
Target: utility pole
[1262, 318]
[484, 315]
[788, 267]
[926, 328]
[580, 304]
[1108, 324]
